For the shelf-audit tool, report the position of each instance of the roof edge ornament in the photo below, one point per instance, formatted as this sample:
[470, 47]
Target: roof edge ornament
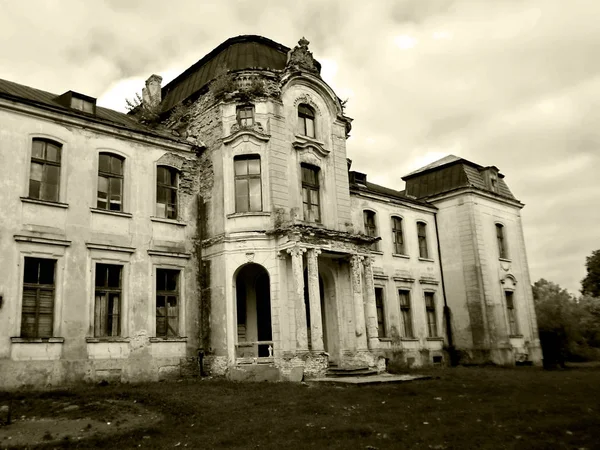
[301, 58]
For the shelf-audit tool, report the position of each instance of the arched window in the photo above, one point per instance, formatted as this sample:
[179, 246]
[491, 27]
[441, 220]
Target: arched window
[248, 190]
[44, 175]
[306, 120]
[110, 182]
[397, 236]
[370, 226]
[500, 237]
[422, 237]
[167, 182]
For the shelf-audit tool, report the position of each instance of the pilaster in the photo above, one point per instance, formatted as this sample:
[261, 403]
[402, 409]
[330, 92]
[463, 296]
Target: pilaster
[359, 310]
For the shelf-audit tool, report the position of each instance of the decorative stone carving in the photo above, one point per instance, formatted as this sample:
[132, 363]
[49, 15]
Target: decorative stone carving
[256, 127]
[300, 58]
[370, 305]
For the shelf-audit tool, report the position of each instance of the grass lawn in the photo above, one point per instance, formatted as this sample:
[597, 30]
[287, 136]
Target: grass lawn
[462, 408]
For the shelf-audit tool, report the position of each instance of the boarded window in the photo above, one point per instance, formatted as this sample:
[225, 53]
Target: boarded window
[306, 120]
[248, 188]
[310, 193]
[432, 330]
[110, 182]
[167, 303]
[379, 304]
[245, 115]
[166, 192]
[510, 310]
[107, 305]
[38, 298]
[501, 243]
[44, 174]
[405, 311]
[422, 237]
[397, 236]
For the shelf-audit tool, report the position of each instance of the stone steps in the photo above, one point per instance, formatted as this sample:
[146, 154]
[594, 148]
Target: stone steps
[340, 372]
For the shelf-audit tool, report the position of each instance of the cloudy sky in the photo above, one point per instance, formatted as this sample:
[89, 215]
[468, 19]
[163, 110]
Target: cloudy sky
[511, 83]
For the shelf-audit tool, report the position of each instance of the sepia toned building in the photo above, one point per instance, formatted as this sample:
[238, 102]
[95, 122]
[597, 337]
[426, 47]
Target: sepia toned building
[218, 229]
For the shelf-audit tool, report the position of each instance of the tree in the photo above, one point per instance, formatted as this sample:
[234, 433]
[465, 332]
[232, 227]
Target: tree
[590, 285]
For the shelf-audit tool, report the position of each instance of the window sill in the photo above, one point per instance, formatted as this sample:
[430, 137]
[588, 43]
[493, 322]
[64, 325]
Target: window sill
[377, 252]
[96, 340]
[505, 260]
[310, 224]
[435, 339]
[515, 336]
[168, 339]
[44, 202]
[385, 339]
[426, 259]
[409, 339]
[49, 340]
[249, 214]
[169, 221]
[111, 213]
[398, 255]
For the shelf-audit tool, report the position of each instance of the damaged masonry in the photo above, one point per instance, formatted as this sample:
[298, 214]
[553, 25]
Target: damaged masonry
[218, 229]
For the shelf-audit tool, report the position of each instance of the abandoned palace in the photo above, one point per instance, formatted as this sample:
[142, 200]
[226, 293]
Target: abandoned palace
[218, 227]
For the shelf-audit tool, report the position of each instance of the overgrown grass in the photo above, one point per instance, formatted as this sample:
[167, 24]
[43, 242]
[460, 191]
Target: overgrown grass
[462, 408]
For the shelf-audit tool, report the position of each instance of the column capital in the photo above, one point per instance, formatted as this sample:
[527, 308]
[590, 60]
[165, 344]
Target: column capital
[296, 251]
[356, 259]
[368, 260]
[315, 251]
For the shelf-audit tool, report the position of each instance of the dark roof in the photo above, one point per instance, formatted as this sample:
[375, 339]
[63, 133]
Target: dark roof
[237, 53]
[373, 188]
[26, 94]
[439, 163]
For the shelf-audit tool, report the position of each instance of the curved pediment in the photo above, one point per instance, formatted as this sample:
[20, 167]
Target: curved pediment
[305, 143]
[256, 131]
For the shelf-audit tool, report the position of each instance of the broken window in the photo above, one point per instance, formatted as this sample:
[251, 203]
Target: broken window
[422, 237]
[397, 236]
[500, 238]
[167, 303]
[167, 179]
[44, 175]
[404, 298]
[110, 182]
[310, 193]
[107, 305]
[432, 330]
[370, 227]
[306, 120]
[245, 115]
[38, 298]
[380, 312]
[248, 188]
[510, 309]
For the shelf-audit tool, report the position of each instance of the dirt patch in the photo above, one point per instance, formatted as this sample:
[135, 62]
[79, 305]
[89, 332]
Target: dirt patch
[46, 420]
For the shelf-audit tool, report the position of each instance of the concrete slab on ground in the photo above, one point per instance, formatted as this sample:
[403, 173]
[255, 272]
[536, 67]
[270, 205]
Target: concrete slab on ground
[371, 379]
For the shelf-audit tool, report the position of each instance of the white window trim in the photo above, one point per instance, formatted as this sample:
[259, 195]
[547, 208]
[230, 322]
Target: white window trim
[170, 263]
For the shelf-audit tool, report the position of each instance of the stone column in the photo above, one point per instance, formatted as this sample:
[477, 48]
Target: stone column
[314, 296]
[370, 306]
[300, 313]
[359, 309]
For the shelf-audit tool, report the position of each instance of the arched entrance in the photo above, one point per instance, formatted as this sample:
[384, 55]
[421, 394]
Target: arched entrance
[253, 310]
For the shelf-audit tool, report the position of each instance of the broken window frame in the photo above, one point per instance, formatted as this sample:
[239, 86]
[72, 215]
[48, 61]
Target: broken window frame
[311, 193]
[513, 324]
[380, 308]
[370, 224]
[422, 239]
[397, 235]
[245, 115]
[430, 311]
[503, 254]
[167, 209]
[107, 319]
[113, 177]
[170, 318]
[306, 120]
[42, 191]
[406, 312]
[243, 202]
[38, 310]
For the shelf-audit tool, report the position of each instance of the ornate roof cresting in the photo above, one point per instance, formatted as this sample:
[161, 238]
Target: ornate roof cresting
[301, 58]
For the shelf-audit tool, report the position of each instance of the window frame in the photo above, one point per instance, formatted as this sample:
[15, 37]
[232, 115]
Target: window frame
[38, 287]
[422, 239]
[243, 121]
[110, 176]
[248, 177]
[406, 315]
[44, 163]
[381, 309]
[511, 313]
[108, 291]
[431, 314]
[173, 187]
[399, 248]
[501, 241]
[305, 113]
[177, 293]
[313, 190]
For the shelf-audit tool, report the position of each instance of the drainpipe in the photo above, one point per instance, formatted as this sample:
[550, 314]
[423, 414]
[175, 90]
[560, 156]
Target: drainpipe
[451, 350]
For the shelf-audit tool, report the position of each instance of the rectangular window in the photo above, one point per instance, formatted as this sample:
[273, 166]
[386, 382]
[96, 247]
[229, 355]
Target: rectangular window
[380, 312]
[432, 330]
[397, 236]
[167, 303]
[44, 175]
[422, 236]
[370, 227]
[500, 237]
[107, 305]
[38, 298]
[248, 188]
[310, 193]
[510, 309]
[404, 297]
[245, 115]
[110, 182]
[167, 179]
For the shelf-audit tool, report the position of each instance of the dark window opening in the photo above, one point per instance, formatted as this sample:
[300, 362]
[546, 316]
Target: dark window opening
[370, 227]
[44, 175]
[167, 303]
[432, 330]
[107, 305]
[37, 315]
[379, 301]
[306, 120]
[311, 193]
[422, 237]
[166, 192]
[397, 236]
[510, 309]
[245, 115]
[405, 311]
[501, 243]
[110, 182]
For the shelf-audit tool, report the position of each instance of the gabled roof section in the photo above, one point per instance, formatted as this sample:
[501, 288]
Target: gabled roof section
[35, 97]
[434, 165]
[237, 53]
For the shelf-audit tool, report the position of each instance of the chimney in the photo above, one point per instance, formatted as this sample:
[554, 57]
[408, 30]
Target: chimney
[151, 94]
